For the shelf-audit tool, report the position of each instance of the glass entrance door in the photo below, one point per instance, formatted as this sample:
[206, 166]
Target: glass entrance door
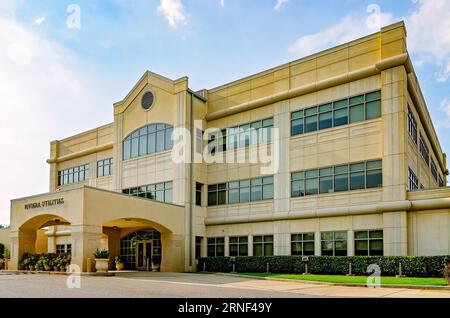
[144, 255]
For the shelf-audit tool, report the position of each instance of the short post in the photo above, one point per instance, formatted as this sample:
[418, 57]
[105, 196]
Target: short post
[6, 264]
[447, 272]
[267, 268]
[233, 261]
[148, 264]
[305, 260]
[400, 274]
[204, 266]
[350, 270]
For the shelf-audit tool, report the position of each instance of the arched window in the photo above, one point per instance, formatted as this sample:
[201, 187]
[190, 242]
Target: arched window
[146, 140]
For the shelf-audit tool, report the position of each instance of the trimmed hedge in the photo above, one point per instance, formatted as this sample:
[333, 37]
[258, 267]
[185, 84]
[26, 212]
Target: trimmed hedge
[413, 266]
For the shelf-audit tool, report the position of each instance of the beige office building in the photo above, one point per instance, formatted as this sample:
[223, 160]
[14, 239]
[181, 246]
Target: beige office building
[356, 167]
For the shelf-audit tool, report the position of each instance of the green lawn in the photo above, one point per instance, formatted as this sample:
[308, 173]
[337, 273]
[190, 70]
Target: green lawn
[356, 279]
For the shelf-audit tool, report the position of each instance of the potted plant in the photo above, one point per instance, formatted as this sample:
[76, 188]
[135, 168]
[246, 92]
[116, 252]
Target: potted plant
[101, 260]
[40, 265]
[48, 264]
[56, 264]
[156, 261]
[32, 263]
[120, 264]
[2, 262]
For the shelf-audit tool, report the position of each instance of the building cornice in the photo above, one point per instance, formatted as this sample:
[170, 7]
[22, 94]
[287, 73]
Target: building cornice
[401, 59]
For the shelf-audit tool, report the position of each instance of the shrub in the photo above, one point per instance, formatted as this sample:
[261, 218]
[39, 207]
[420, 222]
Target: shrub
[412, 266]
[101, 254]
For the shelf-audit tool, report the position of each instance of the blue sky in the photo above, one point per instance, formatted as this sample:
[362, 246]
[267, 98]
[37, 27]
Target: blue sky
[58, 81]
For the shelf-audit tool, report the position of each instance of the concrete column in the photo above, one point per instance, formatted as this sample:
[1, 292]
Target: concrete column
[250, 245]
[53, 166]
[317, 244]
[395, 232]
[204, 251]
[282, 175]
[22, 241]
[117, 165]
[173, 259]
[227, 245]
[113, 244]
[350, 243]
[395, 167]
[86, 240]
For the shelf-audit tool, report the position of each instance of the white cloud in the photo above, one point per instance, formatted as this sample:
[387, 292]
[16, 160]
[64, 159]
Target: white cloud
[348, 29]
[173, 12]
[445, 108]
[44, 96]
[280, 4]
[39, 21]
[222, 3]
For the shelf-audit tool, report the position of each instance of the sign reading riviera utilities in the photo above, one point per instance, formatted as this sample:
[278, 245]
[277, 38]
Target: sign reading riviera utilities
[43, 204]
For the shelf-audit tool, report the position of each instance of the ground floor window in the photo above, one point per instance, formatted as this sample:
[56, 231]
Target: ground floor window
[239, 246]
[216, 246]
[63, 248]
[334, 243]
[263, 245]
[369, 243]
[138, 247]
[302, 244]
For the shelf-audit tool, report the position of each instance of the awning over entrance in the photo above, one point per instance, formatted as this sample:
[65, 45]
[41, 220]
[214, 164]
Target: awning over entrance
[89, 213]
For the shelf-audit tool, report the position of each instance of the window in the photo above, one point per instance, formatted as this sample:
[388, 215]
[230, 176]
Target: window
[413, 181]
[241, 136]
[369, 243]
[217, 141]
[104, 168]
[434, 171]
[60, 248]
[412, 125]
[147, 140]
[198, 193]
[161, 192]
[249, 134]
[73, 175]
[241, 191]
[424, 150]
[338, 113]
[263, 245]
[302, 244]
[217, 194]
[239, 246]
[198, 247]
[363, 175]
[199, 141]
[69, 248]
[216, 246]
[334, 243]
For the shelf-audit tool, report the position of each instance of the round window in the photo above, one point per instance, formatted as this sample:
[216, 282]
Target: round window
[147, 100]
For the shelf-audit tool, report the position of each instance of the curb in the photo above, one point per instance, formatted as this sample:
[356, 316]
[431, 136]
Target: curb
[19, 272]
[299, 281]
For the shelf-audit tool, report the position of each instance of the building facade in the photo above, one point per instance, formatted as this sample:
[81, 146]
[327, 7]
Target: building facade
[356, 167]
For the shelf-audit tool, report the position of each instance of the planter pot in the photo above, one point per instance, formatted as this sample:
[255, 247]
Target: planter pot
[101, 264]
[31, 268]
[47, 267]
[120, 266]
[62, 268]
[155, 267]
[56, 268]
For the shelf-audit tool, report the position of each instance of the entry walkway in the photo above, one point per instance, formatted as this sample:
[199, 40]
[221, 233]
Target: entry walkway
[300, 289]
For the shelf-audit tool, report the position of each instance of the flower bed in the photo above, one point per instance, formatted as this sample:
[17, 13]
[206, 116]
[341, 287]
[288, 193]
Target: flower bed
[45, 262]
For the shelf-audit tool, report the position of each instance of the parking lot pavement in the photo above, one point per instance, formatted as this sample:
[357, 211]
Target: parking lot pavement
[178, 285]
